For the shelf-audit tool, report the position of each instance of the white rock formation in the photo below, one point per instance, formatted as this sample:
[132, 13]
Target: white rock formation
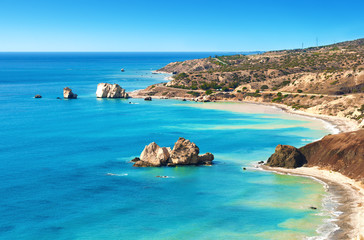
[107, 90]
[155, 155]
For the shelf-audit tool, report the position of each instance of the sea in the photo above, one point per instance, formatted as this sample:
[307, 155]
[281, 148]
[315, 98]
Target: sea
[65, 170]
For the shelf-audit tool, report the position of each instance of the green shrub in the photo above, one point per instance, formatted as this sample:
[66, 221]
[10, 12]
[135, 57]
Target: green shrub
[195, 94]
[225, 89]
[208, 92]
[181, 76]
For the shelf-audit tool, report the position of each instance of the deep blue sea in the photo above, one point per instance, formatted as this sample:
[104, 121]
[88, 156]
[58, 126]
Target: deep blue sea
[56, 157]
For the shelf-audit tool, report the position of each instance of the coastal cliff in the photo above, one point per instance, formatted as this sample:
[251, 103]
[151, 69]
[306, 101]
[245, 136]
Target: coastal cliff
[343, 153]
[326, 80]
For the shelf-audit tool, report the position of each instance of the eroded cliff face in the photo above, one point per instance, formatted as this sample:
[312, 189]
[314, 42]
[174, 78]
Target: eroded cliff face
[343, 153]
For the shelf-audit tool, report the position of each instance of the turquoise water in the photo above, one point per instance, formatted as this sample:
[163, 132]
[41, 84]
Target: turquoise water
[56, 156]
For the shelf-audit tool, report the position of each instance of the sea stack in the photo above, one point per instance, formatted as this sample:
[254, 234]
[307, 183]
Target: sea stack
[286, 156]
[68, 94]
[184, 152]
[107, 90]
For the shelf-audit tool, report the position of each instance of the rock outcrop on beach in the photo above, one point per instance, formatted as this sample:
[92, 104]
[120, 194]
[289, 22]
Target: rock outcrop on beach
[286, 156]
[184, 152]
[107, 90]
[68, 94]
[343, 153]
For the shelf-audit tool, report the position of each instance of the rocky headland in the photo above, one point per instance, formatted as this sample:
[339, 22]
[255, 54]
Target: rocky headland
[184, 152]
[107, 90]
[343, 153]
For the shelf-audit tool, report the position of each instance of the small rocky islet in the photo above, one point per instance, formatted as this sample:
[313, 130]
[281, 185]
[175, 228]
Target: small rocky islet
[184, 152]
[107, 90]
[68, 94]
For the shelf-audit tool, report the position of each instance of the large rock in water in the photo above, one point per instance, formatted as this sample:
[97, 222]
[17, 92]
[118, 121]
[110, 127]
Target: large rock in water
[68, 94]
[153, 156]
[286, 156]
[184, 153]
[107, 90]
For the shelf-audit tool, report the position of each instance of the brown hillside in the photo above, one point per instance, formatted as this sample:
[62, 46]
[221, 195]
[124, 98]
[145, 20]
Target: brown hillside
[342, 152]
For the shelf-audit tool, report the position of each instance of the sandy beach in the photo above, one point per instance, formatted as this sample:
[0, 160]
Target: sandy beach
[341, 124]
[350, 196]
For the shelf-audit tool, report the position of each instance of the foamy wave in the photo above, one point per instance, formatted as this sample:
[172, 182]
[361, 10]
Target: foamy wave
[330, 204]
[118, 175]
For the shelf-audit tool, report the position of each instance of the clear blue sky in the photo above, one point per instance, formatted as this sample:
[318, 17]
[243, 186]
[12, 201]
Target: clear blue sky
[155, 25]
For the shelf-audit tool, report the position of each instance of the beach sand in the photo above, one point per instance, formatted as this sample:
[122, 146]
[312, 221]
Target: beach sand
[341, 124]
[350, 196]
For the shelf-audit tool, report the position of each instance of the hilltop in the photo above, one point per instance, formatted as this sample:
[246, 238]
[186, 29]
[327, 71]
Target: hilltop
[327, 79]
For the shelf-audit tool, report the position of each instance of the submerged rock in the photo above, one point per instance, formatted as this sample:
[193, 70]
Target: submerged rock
[184, 152]
[68, 94]
[107, 90]
[286, 156]
[148, 99]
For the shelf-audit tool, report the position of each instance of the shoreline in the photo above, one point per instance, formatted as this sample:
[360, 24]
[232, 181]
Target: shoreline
[349, 194]
[341, 124]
